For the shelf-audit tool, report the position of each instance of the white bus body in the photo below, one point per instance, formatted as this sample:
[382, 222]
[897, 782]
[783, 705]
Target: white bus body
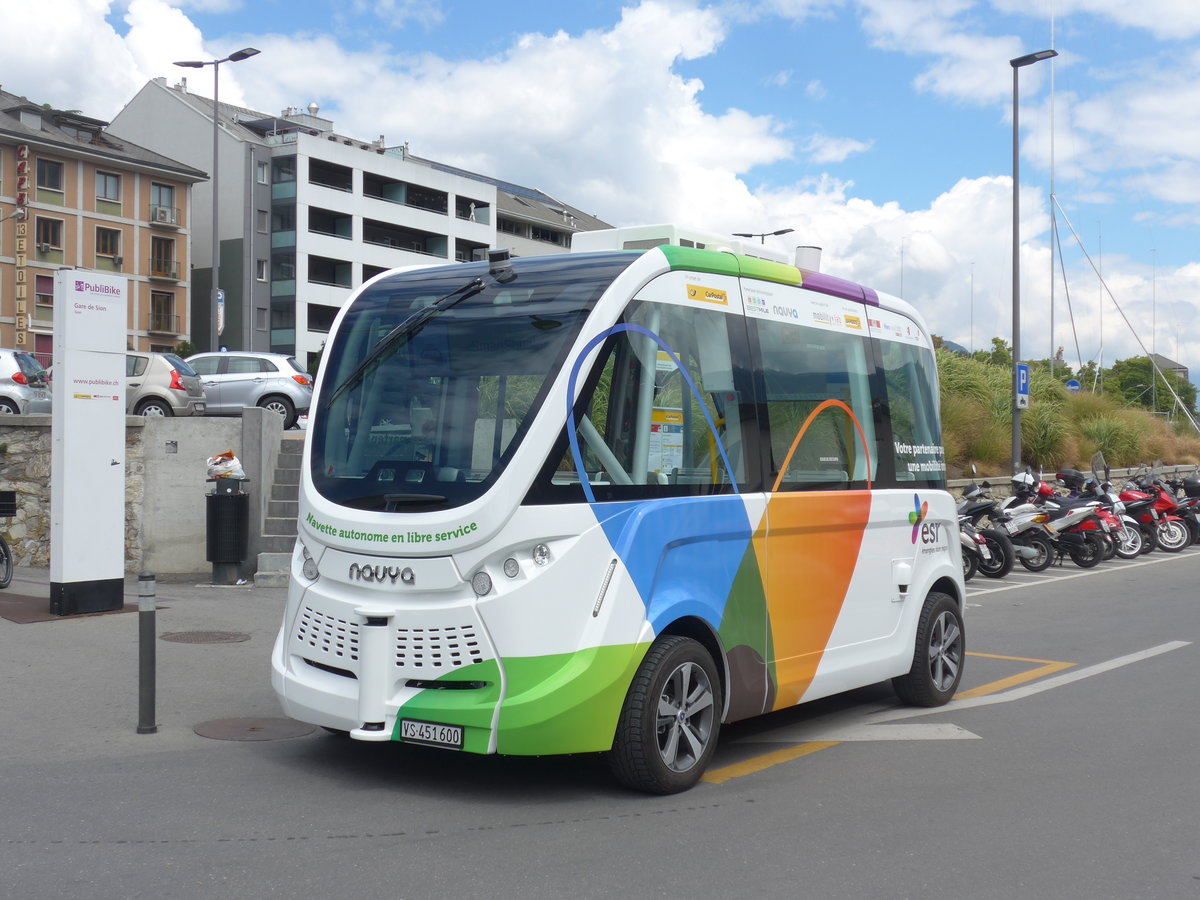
[608, 500]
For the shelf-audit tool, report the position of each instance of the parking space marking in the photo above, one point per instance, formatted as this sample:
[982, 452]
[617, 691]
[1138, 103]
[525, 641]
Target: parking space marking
[1029, 690]
[1047, 667]
[766, 761]
[1004, 585]
[869, 727]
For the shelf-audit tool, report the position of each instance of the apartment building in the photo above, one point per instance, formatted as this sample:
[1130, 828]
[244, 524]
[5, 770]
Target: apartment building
[307, 214]
[74, 195]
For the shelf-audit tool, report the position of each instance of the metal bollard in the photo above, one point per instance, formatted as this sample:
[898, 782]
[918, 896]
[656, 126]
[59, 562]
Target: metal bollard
[147, 634]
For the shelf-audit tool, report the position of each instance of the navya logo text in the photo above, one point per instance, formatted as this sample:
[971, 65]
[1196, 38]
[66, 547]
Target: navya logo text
[785, 312]
[371, 573]
[929, 532]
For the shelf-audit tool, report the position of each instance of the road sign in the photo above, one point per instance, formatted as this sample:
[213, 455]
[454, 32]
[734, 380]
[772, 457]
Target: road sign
[220, 311]
[1022, 386]
[1074, 386]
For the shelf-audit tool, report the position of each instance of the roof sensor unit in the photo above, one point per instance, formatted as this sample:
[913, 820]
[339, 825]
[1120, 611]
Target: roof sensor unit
[499, 267]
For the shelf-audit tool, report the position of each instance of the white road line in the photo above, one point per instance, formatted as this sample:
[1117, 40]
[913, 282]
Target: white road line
[1099, 570]
[1037, 687]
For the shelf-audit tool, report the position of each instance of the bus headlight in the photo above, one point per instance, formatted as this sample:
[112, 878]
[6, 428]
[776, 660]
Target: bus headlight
[541, 555]
[309, 567]
[512, 568]
[481, 583]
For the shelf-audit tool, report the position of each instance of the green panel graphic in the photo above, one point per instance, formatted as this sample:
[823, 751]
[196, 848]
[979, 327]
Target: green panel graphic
[469, 707]
[745, 634]
[567, 703]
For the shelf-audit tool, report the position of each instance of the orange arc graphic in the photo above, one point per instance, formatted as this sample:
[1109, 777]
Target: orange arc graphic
[812, 544]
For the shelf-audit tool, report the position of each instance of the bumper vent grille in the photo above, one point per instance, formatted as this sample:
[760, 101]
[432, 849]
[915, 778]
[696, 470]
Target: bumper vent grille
[444, 648]
[334, 638]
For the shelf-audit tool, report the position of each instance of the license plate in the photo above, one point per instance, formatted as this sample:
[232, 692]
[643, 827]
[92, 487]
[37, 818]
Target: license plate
[199, 407]
[1105, 526]
[431, 733]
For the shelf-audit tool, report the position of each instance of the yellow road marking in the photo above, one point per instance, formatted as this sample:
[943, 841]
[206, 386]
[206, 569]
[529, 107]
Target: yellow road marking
[751, 766]
[775, 758]
[1047, 667]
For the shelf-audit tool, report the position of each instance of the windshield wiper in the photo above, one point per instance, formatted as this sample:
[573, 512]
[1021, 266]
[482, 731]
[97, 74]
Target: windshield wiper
[387, 344]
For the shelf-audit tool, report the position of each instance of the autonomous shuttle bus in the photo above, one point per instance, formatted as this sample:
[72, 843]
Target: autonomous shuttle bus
[611, 499]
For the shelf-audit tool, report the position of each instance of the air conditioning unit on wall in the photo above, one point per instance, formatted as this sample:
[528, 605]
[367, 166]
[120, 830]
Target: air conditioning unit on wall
[164, 214]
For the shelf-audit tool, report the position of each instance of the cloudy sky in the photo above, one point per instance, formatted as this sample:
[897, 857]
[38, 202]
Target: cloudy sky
[880, 130]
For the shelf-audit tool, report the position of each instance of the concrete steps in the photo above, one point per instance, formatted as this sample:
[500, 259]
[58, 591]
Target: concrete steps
[279, 527]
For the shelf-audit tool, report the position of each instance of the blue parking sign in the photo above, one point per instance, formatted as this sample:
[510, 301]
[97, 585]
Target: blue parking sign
[1022, 386]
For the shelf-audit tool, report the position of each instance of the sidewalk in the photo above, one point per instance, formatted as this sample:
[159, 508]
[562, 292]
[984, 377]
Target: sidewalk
[70, 689]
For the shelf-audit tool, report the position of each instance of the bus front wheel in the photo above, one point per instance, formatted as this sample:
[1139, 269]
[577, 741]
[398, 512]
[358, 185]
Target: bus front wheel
[667, 731]
[938, 655]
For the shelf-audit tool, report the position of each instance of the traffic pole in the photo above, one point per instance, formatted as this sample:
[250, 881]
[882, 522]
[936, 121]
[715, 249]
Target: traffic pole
[147, 634]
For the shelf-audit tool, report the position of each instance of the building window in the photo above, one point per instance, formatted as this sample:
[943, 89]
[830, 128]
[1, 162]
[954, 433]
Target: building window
[509, 226]
[263, 219]
[260, 269]
[264, 171]
[162, 312]
[43, 290]
[108, 242]
[49, 175]
[48, 234]
[162, 257]
[547, 234]
[162, 204]
[108, 187]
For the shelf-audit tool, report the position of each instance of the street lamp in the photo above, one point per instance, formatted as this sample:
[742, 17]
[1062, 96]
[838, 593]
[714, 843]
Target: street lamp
[1018, 63]
[763, 235]
[244, 53]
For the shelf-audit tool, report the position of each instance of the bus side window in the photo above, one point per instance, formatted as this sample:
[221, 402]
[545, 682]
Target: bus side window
[816, 447]
[908, 372]
[645, 424]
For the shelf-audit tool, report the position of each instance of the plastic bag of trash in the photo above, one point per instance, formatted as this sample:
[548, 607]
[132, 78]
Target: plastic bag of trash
[225, 465]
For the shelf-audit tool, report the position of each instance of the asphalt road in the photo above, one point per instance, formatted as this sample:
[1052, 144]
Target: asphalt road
[1062, 771]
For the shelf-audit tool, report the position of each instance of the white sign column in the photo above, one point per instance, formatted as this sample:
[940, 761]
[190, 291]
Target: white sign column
[87, 463]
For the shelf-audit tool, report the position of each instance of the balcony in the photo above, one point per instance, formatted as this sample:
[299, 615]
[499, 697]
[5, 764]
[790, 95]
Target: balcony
[163, 269]
[472, 210]
[396, 237]
[329, 175]
[164, 216]
[163, 323]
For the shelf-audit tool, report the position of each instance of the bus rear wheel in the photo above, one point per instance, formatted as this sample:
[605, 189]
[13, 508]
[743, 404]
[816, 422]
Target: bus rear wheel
[668, 727]
[938, 655]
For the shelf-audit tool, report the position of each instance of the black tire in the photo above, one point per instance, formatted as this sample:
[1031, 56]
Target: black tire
[8, 408]
[283, 406]
[1149, 538]
[158, 408]
[938, 654]
[6, 564]
[1110, 545]
[1172, 536]
[970, 565]
[1089, 553]
[1129, 542]
[660, 753]
[1003, 554]
[1046, 551]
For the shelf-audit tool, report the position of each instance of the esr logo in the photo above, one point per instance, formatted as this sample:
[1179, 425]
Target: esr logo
[931, 532]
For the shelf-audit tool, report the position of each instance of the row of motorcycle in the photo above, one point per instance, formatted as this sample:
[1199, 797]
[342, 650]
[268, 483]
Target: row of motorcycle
[1085, 519]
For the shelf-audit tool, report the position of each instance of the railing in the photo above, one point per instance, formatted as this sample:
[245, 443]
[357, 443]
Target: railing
[164, 323]
[164, 268]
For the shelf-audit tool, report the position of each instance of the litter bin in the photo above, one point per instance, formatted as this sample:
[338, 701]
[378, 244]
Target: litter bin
[227, 528]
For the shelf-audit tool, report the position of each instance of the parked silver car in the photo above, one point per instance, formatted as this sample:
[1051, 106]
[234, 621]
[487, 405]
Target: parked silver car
[161, 384]
[236, 379]
[24, 385]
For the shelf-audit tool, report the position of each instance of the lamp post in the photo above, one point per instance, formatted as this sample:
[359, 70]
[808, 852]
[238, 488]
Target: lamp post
[1017, 64]
[763, 235]
[244, 53]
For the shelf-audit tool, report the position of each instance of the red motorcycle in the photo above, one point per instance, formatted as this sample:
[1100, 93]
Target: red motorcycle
[1171, 532]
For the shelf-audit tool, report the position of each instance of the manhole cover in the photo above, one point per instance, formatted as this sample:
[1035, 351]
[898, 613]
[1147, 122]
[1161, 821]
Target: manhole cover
[206, 637]
[253, 729]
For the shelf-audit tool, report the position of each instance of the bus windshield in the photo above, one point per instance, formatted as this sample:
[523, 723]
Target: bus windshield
[433, 377]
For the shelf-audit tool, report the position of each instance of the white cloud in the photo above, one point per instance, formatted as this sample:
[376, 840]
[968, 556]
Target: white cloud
[823, 149]
[399, 13]
[781, 78]
[815, 90]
